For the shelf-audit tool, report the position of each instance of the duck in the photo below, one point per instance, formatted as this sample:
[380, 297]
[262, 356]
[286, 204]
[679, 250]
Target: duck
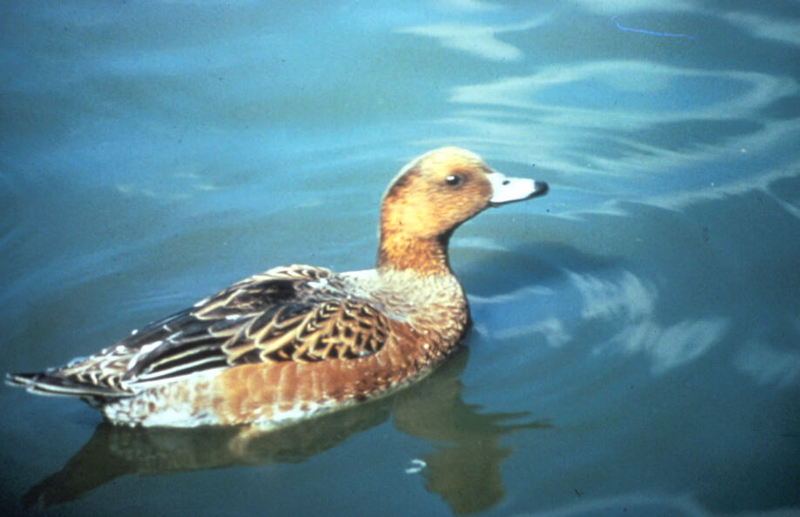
[298, 341]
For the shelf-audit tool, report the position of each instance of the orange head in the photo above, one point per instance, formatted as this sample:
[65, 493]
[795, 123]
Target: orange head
[432, 196]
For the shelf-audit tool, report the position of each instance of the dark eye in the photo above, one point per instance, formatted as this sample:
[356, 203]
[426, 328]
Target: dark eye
[454, 180]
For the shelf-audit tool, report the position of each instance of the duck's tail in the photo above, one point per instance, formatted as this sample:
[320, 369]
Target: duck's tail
[50, 383]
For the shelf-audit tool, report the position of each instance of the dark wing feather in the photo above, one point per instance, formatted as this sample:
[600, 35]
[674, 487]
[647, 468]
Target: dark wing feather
[193, 340]
[280, 315]
[268, 318]
[331, 329]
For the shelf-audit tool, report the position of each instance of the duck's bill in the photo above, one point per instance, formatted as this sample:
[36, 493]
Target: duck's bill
[507, 190]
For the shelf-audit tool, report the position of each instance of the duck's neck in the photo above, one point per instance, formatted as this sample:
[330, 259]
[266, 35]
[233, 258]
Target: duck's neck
[424, 255]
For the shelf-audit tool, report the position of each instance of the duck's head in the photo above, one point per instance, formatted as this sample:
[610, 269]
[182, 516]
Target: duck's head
[435, 193]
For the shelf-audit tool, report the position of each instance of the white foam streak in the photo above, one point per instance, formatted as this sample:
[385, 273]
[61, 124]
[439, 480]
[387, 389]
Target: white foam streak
[478, 40]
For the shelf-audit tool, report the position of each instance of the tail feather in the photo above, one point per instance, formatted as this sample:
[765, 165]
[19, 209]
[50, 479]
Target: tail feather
[44, 383]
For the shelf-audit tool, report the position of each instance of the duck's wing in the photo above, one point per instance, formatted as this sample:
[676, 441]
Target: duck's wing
[287, 314]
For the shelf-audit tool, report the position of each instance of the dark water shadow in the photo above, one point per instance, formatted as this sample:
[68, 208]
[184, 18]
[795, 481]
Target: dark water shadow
[540, 263]
[464, 469]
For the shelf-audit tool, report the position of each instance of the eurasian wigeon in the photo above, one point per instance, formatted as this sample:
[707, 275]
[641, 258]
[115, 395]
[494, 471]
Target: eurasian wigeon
[299, 341]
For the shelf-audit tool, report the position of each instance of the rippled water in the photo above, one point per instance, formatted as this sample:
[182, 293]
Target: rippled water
[637, 337]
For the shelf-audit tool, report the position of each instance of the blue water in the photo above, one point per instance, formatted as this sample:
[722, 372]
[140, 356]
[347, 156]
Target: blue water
[636, 347]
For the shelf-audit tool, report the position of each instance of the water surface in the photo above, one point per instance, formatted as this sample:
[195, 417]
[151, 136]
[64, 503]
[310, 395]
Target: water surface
[637, 332]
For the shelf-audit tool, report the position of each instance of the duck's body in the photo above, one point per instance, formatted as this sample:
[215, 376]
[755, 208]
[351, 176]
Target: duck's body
[299, 340]
[276, 347]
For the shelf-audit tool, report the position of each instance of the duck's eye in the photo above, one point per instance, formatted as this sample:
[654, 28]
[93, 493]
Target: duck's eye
[454, 180]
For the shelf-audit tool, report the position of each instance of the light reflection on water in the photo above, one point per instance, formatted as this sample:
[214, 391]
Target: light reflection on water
[638, 329]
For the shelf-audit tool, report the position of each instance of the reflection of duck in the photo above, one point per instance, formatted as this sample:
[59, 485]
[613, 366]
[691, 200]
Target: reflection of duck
[464, 468]
[299, 340]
